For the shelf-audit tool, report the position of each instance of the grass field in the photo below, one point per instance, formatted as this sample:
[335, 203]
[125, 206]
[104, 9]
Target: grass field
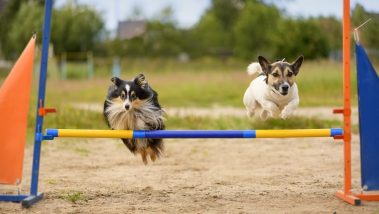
[205, 83]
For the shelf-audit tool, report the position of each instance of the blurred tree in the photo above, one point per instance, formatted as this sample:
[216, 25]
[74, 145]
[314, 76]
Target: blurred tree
[75, 29]
[256, 30]
[331, 28]
[7, 16]
[211, 36]
[27, 21]
[300, 37]
[214, 32]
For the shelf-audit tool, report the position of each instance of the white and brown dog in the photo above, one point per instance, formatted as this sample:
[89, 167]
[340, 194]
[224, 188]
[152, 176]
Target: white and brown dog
[273, 88]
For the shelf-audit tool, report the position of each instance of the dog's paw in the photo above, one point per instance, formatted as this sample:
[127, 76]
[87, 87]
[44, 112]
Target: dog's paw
[250, 114]
[285, 114]
[264, 115]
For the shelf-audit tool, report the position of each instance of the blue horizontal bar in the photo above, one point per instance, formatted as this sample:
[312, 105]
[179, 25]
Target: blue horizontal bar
[197, 134]
[52, 132]
[336, 132]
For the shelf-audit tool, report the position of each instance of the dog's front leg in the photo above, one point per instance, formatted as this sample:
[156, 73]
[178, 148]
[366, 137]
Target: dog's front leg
[269, 109]
[289, 108]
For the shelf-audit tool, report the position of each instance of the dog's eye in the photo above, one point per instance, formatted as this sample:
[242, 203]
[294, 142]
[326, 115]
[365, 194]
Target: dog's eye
[275, 75]
[122, 95]
[289, 74]
[133, 96]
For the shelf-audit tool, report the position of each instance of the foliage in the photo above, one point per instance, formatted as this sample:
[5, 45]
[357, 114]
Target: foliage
[73, 29]
[27, 21]
[234, 123]
[256, 29]
[228, 28]
[7, 17]
[301, 36]
[213, 33]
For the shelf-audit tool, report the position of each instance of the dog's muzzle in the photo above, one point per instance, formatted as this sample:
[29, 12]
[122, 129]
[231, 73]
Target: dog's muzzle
[283, 89]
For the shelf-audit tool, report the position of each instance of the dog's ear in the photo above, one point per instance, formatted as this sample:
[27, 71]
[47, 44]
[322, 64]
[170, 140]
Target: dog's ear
[140, 80]
[265, 64]
[296, 65]
[117, 81]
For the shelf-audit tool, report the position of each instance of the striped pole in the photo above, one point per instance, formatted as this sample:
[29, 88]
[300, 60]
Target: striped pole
[289, 133]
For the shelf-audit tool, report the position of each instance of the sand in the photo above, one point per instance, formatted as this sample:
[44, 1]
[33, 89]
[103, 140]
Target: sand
[195, 176]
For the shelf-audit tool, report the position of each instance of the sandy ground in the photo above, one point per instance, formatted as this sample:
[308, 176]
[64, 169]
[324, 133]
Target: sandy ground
[195, 176]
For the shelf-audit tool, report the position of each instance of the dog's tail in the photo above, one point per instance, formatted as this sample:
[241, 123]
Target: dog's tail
[254, 69]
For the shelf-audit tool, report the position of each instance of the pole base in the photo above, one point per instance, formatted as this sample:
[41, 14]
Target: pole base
[31, 199]
[368, 197]
[349, 198]
[13, 198]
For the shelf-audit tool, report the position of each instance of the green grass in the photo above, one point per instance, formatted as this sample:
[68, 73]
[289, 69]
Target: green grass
[225, 123]
[196, 85]
[74, 197]
[69, 117]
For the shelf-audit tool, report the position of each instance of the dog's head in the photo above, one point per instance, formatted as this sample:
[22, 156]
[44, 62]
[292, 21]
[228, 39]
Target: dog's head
[129, 94]
[280, 75]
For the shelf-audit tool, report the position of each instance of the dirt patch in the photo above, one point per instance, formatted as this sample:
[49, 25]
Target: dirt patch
[195, 176]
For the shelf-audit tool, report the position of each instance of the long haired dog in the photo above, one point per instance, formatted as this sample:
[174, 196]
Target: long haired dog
[133, 105]
[273, 88]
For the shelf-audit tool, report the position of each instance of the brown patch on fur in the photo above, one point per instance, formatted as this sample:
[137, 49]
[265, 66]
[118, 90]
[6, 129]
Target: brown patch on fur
[281, 72]
[148, 152]
[143, 155]
[137, 103]
[152, 154]
[118, 100]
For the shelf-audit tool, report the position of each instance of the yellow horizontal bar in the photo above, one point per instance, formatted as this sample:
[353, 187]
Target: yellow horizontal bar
[286, 133]
[95, 133]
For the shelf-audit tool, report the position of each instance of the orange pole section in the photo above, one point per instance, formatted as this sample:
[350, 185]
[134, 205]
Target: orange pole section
[346, 96]
[346, 194]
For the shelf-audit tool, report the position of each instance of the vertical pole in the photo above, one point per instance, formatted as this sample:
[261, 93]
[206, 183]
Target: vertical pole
[346, 96]
[90, 66]
[41, 96]
[64, 66]
[116, 69]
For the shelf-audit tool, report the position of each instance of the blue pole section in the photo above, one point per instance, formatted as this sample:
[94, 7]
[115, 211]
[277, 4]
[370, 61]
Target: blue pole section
[41, 96]
[195, 134]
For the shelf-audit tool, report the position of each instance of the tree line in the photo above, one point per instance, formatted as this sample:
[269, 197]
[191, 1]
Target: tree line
[228, 28]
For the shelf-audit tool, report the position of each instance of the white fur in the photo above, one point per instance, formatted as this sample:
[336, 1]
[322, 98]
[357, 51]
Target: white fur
[260, 95]
[127, 87]
[254, 69]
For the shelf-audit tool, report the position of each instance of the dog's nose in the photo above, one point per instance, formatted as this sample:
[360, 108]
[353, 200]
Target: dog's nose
[127, 107]
[285, 87]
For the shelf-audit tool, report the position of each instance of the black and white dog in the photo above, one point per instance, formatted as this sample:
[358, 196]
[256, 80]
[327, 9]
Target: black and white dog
[133, 105]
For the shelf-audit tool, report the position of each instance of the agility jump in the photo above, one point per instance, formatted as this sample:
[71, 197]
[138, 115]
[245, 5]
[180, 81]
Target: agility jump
[289, 133]
[12, 132]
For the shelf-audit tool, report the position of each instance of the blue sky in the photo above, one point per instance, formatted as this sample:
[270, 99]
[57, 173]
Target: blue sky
[188, 12]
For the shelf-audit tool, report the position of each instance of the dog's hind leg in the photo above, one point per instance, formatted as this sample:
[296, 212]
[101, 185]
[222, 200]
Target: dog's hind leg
[250, 108]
